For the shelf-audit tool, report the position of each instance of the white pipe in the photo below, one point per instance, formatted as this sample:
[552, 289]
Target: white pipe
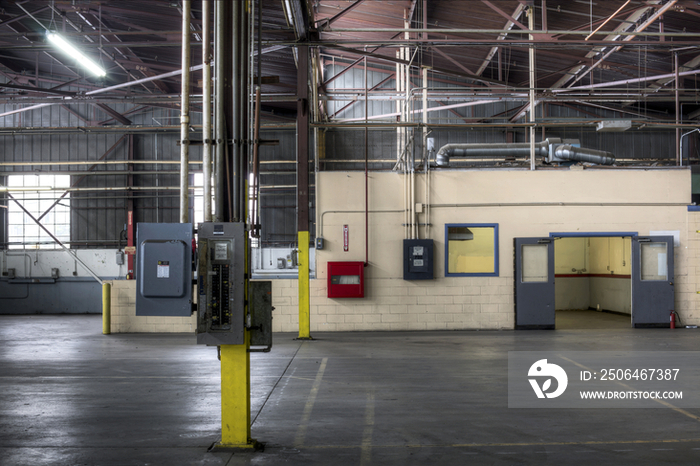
[206, 110]
[219, 128]
[185, 114]
[531, 26]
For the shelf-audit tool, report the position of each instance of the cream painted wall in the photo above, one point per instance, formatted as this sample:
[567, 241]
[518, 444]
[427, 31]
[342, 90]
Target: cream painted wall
[523, 203]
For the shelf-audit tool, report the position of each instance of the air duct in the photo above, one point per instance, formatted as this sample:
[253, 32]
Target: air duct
[580, 154]
[551, 149]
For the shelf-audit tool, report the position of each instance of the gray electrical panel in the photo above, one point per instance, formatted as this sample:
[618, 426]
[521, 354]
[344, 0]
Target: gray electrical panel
[418, 259]
[164, 269]
[221, 318]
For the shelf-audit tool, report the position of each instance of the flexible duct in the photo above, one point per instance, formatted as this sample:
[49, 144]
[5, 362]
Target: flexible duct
[580, 154]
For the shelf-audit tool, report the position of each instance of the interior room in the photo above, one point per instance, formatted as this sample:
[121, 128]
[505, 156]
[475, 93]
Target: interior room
[593, 281]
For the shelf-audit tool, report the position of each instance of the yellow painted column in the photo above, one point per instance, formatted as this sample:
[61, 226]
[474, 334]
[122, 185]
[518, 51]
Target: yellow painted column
[235, 396]
[304, 302]
[106, 308]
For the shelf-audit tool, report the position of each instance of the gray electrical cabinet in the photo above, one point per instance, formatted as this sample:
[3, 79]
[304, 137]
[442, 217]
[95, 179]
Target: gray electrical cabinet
[221, 318]
[164, 269]
[418, 259]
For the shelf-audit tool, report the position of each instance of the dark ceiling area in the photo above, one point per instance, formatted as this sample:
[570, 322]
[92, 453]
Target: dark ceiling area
[480, 45]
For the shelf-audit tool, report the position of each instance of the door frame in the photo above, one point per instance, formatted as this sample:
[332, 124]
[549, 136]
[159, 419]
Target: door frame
[597, 234]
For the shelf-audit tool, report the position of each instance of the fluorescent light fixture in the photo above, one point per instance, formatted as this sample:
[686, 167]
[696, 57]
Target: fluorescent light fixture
[67, 48]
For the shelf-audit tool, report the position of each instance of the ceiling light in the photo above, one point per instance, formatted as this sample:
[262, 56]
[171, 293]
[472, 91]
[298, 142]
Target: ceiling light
[67, 48]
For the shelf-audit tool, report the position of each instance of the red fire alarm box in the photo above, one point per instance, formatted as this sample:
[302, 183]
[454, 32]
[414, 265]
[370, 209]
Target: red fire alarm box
[346, 279]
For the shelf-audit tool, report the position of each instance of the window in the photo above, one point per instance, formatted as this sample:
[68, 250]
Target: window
[198, 198]
[38, 193]
[471, 249]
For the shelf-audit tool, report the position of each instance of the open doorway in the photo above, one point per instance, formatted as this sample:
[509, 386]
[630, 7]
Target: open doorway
[593, 281]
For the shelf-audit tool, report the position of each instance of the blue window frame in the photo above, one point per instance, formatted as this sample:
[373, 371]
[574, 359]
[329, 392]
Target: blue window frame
[471, 250]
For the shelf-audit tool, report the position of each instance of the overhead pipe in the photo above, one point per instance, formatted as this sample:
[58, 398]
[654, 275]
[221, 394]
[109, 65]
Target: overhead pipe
[489, 150]
[185, 114]
[206, 110]
[542, 149]
[580, 154]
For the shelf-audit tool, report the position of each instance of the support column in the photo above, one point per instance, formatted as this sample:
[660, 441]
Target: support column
[235, 396]
[303, 112]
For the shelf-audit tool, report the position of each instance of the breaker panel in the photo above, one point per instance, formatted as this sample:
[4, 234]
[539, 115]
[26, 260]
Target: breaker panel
[221, 318]
[418, 259]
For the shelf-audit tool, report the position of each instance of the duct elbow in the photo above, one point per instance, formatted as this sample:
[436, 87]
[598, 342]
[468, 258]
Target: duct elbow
[442, 158]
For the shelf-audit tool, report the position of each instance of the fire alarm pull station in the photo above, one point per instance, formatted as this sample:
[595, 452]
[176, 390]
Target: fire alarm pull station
[418, 259]
[346, 279]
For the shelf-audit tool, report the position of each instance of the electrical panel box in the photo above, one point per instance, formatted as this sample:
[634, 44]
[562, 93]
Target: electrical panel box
[164, 269]
[418, 259]
[346, 279]
[221, 250]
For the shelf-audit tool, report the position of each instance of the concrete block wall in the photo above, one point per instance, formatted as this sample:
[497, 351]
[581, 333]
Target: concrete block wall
[125, 320]
[687, 282]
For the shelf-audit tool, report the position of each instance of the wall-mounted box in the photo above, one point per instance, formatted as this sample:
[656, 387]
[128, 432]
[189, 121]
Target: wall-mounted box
[346, 279]
[164, 269]
[418, 259]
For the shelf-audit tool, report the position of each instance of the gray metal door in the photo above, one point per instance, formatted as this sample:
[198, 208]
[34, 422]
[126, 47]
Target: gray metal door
[534, 283]
[652, 281]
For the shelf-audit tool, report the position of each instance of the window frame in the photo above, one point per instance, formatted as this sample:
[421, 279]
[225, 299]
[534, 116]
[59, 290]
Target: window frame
[20, 194]
[495, 272]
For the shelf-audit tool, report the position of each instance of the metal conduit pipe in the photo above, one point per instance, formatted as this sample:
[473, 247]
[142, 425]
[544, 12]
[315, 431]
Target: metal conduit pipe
[489, 150]
[185, 114]
[206, 111]
[219, 128]
[580, 154]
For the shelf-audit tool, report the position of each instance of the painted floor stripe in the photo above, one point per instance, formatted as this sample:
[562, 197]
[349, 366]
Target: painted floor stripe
[365, 458]
[301, 432]
[538, 444]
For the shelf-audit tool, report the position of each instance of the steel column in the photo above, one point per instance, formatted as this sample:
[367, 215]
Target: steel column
[303, 111]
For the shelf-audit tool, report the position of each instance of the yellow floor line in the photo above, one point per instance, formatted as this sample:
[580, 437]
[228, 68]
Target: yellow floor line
[301, 432]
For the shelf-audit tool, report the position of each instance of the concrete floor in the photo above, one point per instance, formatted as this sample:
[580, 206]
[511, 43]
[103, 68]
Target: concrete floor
[587, 319]
[71, 396]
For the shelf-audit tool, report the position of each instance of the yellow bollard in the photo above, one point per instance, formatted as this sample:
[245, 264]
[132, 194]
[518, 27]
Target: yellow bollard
[106, 308]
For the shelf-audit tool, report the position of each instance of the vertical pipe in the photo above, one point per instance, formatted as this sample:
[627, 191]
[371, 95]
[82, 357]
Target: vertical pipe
[106, 308]
[366, 171]
[185, 114]
[531, 26]
[219, 130]
[679, 161]
[246, 103]
[256, 167]
[206, 111]
[426, 155]
[238, 63]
